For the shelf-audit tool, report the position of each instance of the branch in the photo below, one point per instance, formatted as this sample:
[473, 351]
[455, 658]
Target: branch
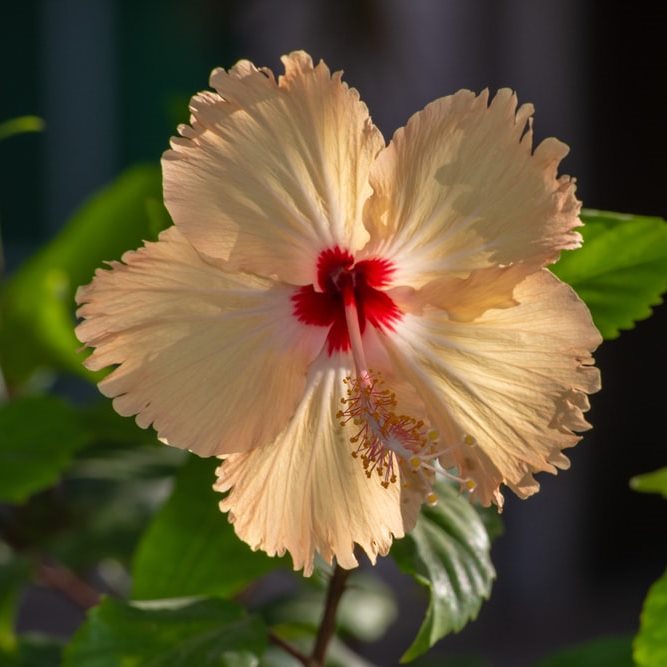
[328, 622]
[53, 574]
[288, 648]
[71, 585]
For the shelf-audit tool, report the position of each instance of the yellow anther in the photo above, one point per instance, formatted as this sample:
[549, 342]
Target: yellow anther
[469, 440]
[383, 438]
[470, 485]
[432, 435]
[432, 499]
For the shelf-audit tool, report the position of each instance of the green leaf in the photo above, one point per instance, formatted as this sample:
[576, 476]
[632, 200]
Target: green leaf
[20, 125]
[204, 632]
[651, 482]
[606, 652]
[621, 270]
[190, 548]
[448, 552]
[492, 521]
[14, 574]
[110, 428]
[650, 645]
[38, 438]
[34, 650]
[38, 301]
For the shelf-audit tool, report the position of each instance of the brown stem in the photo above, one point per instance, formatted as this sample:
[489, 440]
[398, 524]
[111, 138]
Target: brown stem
[51, 573]
[328, 622]
[285, 646]
[57, 576]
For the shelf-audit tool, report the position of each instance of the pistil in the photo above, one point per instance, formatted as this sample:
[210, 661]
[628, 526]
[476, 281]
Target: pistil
[388, 444]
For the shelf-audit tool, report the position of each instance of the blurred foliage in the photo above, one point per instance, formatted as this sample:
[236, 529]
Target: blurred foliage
[207, 632]
[34, 650]
[190, 547]
[36, 329]
[607, 652]
[651, 482]
[39, 435]
[100, 496]
[650, 645]
[13, 573]
[20, 125]
[621, 270]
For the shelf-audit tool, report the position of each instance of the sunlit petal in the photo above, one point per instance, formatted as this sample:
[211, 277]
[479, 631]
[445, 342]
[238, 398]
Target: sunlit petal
[271, 172]
[213, 360]
[305, 492]
[459, 188]
[507, 390]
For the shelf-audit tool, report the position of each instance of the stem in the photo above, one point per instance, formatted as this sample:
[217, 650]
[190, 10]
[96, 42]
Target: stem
[49, 572]
[71, 585]
[328, 622]
[288, 648]
[327, 625]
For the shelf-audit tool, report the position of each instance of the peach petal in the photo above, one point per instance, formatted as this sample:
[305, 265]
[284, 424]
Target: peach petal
[514, 380]
[459, 189]
[214, 361]
[271, 172]
[304, 492]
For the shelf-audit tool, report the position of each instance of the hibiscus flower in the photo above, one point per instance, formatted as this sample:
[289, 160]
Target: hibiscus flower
[341, 320]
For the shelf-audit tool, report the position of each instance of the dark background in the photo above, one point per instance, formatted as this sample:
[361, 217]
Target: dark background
[112, 80]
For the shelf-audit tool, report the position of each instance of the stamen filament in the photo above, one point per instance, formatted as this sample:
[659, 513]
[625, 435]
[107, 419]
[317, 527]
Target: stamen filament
[354, 331]
[385, 441]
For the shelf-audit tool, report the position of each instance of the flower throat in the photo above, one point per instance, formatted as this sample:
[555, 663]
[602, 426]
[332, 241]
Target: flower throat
[389, 445]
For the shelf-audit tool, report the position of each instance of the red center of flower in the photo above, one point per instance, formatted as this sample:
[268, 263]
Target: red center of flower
[342, 282]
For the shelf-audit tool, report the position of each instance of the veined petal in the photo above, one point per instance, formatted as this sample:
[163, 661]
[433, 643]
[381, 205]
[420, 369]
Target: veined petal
[305, 493]
[213, 360]
[465, 299]
[271, 173]
[508, 390]
[459, 188]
